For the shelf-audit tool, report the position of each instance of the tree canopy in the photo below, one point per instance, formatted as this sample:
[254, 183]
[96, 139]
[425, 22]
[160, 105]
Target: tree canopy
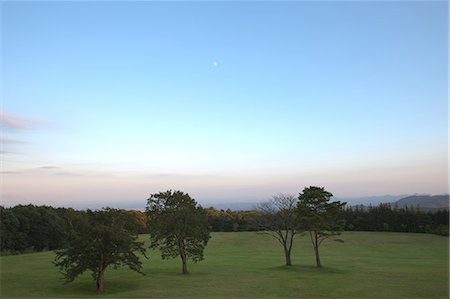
[97, 241]
[178, 227]
[29, 227]
[319, 216]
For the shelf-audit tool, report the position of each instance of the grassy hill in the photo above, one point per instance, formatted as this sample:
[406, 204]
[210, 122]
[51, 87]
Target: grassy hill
[250, 265]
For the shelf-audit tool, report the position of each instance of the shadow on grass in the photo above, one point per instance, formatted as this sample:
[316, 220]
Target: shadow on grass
[176, 272]
[308, 269]
[88, 287]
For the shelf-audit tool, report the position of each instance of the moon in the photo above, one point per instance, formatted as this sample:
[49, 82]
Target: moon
[215, 63]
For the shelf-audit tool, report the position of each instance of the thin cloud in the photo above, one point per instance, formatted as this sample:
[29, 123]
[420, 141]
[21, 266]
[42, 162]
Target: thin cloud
[68, 174]
[18, 122]
[5, 140]
[180, 176]
[11, 172]
[49, 167]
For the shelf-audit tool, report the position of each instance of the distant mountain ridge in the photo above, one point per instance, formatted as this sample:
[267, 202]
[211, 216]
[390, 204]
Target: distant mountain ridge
[425, 202]
[370, 200]
[234, 206]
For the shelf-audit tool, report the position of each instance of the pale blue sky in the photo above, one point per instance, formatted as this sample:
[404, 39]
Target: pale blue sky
[108, 102]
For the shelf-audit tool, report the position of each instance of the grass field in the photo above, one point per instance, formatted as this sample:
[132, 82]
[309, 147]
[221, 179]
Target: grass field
[250, 265]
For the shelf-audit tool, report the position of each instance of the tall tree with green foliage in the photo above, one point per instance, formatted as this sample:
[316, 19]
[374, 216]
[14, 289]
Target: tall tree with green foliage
[319, 216]
[178, 227]
[98, 241]
[278, 219]
[12, 239]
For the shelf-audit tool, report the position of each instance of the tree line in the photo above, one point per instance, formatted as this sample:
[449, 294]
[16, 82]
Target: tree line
[179, 227]
[384, 217]
[25, 228]
[390, 218]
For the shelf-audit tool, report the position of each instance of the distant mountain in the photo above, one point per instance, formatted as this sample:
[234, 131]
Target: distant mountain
[369, 200]
[425, 202]
[351, 201]
[234, 206]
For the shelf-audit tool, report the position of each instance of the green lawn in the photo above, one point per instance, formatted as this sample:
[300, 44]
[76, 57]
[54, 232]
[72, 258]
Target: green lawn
[250, 265]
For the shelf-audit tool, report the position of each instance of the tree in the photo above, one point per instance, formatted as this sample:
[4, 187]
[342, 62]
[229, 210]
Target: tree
[278, 219]
[11, 238]
[41, 226]
[319, 216]
[178, 227]
[97, 242]
[140, 223]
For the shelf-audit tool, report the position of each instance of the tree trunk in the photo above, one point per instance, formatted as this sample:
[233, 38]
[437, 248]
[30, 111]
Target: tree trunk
[287, 255]
[101, 281]
[184, 267]
[316, 251]
[182, 256]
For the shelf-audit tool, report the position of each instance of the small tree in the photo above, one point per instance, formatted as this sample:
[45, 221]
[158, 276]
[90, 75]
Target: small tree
[97, 241]
[178, 227]
[278, 219]
[319, 216]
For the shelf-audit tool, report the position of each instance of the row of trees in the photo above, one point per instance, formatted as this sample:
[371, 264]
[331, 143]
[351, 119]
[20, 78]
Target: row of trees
[32, 228]
[26, 228]
[384, 217]
[178, 226]
[35, 228]
[232, 221]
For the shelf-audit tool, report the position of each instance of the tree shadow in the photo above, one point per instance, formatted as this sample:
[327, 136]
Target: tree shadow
[308, 269]
[88, 288]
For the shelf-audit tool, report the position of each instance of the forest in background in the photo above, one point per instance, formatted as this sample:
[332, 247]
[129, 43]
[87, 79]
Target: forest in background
[26, 228]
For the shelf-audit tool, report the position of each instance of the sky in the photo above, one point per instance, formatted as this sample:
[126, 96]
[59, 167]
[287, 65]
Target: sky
[105, 103]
